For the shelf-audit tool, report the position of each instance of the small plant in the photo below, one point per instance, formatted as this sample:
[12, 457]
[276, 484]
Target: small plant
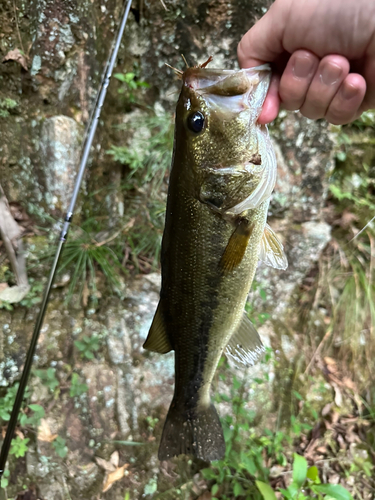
[88, 346]
[131, 84]
[306, 485]
[59, 445]
[5, 479]
[48, 378]
[84, 255]
[147, 159]
[19, 447]
[6, 402]
[6, 106]
[34, 296]
[77, 388]
[34, 418]
[258, 318]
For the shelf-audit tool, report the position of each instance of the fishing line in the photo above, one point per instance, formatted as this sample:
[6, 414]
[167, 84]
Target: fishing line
[89, 136]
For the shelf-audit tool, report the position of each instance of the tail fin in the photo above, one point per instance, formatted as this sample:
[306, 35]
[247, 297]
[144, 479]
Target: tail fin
[195, 432]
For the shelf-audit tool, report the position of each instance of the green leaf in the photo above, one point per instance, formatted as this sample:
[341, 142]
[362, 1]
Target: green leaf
[333, 490]
[299, 469]
[238, 490]
[214, 489]
[293, 489]
[313, 473]
[266, 490]
[120, 76]
[341, 156]
[286, 494]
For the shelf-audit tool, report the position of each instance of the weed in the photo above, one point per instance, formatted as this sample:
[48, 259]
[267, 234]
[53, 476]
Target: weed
[245, 471]
[34, 418]
[35, 294]
[59, 445]
[147, 159]
[150, 153]
[305, 480]
[77, 388]
[130, 85]
[19, 446]
[7, 105]
[84, 254]
[5, 479]
[6, 402]
[48, 378]
[88, 346]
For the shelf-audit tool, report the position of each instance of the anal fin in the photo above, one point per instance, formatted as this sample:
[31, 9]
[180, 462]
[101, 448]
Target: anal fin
[245, 346]
[236, 247]
[271, 250]
[157, 339]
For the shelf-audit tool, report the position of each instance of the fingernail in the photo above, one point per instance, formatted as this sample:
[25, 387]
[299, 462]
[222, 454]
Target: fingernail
[349, 91]
[302, 67]
[330, 74]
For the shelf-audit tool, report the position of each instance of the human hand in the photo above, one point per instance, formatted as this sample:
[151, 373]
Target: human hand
[313, 44]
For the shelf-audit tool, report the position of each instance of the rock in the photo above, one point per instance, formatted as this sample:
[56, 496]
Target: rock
[60, 153]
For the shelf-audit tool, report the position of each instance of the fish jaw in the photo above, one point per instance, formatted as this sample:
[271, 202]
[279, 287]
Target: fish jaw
[230, 91]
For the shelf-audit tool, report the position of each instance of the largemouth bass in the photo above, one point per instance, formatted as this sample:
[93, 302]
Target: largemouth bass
[223, 173]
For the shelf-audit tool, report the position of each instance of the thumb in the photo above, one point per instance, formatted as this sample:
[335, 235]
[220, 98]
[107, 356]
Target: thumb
[263, 42]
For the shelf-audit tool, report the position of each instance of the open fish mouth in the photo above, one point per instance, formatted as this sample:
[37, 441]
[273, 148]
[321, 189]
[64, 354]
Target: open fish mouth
[230, 90]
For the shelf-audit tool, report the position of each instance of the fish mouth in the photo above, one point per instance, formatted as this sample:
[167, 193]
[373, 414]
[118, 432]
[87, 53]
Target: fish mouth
[232, 90]
[225, 82]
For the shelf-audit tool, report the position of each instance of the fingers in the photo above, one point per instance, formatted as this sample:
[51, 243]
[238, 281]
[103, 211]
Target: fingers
[345, 106]
[296, 78]
[322, 88]
[272, 103]
[330, 74]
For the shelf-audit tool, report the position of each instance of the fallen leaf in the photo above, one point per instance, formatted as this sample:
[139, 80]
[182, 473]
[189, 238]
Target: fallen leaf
[112, 477]
[349, 383]
[331, 364]
[115, 458]
[104, 464]
[338, 394]
[326, 410]
[17, 56]
[19, 433]
[44, 432]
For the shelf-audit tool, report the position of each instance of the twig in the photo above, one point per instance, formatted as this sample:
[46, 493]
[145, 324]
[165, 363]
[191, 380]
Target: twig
[318, 349]
[163, 4]
[361, 231]
[125, 228]
[18, 30]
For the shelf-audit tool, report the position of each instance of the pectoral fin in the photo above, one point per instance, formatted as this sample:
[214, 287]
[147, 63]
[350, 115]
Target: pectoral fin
[265, 156]
[272, 250]
[236, 248]
[245, 346]
[157, 339]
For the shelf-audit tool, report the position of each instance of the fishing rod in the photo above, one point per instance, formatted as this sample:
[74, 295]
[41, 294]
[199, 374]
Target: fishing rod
[89, 136]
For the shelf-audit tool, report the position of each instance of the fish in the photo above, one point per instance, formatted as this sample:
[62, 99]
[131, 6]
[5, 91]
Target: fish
[222, 176]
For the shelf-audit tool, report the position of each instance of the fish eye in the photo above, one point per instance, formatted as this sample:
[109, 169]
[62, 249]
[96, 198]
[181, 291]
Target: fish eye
[195, 121]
